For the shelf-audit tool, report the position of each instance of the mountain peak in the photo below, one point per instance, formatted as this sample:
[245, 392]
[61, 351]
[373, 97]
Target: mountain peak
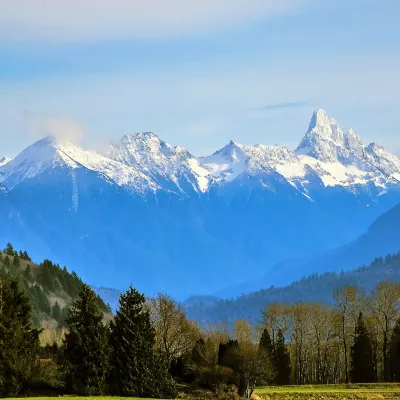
[320, 119]
[324, 139]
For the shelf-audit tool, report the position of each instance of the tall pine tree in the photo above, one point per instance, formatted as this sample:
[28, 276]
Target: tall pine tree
[19, 341]
[281, 361]
[266, 349]
[362, 357]
[266, 345]
[135, 368]
[85, 349]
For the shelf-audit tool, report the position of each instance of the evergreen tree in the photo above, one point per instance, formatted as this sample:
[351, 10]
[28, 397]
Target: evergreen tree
[19, 341]
[28, 273]
[394, 354]
[16, 262]
[281, 361]
[56, 312]
[26, 257]
[266, 348]
[85, 349]
[7, 262]
[135, 369]
[229, 355]
[43, 301]
[9, 250]
[266, 345]
[362, 360]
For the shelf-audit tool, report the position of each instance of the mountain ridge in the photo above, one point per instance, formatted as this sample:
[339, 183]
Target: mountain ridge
[143, 160]
[153, 214]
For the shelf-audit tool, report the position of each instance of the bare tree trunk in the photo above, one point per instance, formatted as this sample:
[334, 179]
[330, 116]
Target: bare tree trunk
[345, 349]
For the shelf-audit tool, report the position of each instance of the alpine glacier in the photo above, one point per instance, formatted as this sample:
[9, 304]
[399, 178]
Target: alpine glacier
[147, 212]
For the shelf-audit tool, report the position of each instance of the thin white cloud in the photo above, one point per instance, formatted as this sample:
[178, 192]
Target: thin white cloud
[88, 20]
[63, 129]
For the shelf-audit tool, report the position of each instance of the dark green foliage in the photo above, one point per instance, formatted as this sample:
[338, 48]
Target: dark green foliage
[9, 250]
[394, 354]
[281, 361]
[56, 312]
[19, 341]
[229, 355]
[24, 256]
[362, 360]
[16, 262]
[135, 369]
[28, 273]
[7, 263]
[85, 349]
[266, 345]
[42, 282]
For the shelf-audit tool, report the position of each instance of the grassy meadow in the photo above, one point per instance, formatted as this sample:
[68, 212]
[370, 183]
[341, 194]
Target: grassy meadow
[330, 392]
[307, 392]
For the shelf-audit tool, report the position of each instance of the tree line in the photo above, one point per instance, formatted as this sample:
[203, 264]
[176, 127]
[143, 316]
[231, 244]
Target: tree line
[150, 345]
[355, 339]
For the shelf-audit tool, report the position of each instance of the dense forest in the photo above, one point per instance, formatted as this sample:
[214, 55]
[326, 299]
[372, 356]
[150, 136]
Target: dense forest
[315, 288]
[51, 289]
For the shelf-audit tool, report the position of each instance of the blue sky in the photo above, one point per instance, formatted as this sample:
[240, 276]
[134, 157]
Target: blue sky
[197, 73]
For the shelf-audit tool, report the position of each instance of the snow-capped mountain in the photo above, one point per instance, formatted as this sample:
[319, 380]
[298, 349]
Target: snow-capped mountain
[172, 167]
[47, 154]
[4, 161]
[153, 214]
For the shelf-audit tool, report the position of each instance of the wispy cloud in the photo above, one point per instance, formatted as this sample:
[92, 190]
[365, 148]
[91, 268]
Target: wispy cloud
[77, 20]
[285, 105]
[63, 129]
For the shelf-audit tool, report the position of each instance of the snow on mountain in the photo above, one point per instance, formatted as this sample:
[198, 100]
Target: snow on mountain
[146, 152]
[48, 153]
[341, 159]
[226, 164]
[143, 163]
[4, 161]
[193, 218]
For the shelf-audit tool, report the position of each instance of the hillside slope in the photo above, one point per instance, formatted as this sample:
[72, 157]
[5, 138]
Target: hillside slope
[52, 289]
[315, 288]
[382, 237]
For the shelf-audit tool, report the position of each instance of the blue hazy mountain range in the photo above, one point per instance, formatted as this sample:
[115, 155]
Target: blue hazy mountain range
[154, 215]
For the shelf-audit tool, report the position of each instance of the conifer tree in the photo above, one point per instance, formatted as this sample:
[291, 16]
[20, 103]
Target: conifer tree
[16, 262]
[266, 348]
[362, 361]
[281, 361]
[19, 341]
[9, 250]
[85, 349]
[135, 368]
[56, 312]
[266, 344]
[28, 273]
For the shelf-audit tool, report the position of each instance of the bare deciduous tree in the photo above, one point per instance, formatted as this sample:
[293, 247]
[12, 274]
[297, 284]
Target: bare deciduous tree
[175, 334]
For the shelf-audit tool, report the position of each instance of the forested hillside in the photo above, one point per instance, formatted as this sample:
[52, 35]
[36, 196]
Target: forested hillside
[317, 287]
[51, 288]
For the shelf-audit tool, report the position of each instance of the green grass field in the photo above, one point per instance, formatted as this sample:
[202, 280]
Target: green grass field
[331, 392]
[308, 392]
